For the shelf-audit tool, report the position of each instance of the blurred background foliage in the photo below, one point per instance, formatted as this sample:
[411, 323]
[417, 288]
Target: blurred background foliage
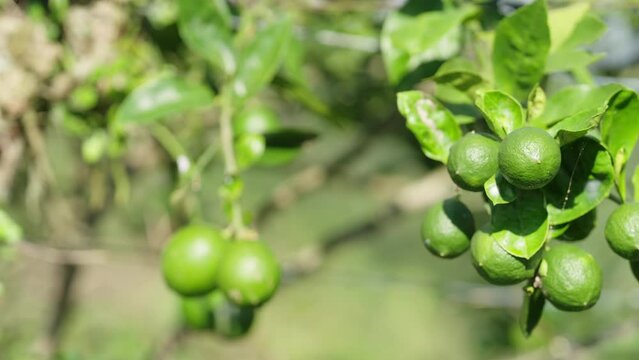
[343, 216]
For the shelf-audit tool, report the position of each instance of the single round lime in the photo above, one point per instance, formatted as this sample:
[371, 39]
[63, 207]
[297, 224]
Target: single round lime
[581, 227]
[229, 319]
[196, 312]
[447, 228]
[571, 278]
[529, 158]
[249, 273]
[622, 231]
[472, 161]
[191, 259]
[255, 120]
[495, 264]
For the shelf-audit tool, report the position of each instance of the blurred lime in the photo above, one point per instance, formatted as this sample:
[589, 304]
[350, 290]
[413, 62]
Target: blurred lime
[10, 231]
[472, 161]
[95, 146]
[447, 228]
[196, 312]
[229, 319]
[256, 120]
[581, 227]
[191, 259]
[529, 158]
[495, 264]
[83, 98]
[622, 231]
[571, 278]
[249, 273]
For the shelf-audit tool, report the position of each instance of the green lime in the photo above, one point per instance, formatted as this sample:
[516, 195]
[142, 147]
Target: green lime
[196, 312]
[472, 161]
[581, 227]
[622, 231]
[571, 278]
[249, 273]
[191, 259]
[256, 120]
[495, 264]
[447, 228]
[229, 319]
[529, 158]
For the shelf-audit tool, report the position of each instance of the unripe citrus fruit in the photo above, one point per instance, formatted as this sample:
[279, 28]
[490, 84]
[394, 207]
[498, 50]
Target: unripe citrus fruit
[571, 278]
[581, 227]
[529, 158]
[229, 319]
[191, 259]
[472, 161]
[249, 273]
[256, 120]
[447, 228]
[495, 264]
[622, 231]
[196, 312]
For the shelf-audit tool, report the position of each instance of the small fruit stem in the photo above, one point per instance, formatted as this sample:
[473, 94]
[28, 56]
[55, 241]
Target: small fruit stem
[236, 227]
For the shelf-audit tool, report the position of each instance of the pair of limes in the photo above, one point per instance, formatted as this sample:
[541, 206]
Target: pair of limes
[529, 158]
[198, 259]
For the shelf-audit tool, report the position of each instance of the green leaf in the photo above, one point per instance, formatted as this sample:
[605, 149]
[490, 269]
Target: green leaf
[563, 21]
[583, 182]
[502, 112]
[408, 41]
[161, 98]
[587, 31]
[521, 45]
[568, 59]
[432, 124]
[536, 102]
[521, 226]
[460, 74]
[10, 231]
[261, 59]
[249, 148]
[619, 133]
[531, 310]
[205, 27]
[574, 99]
[576, 126]
[283, 145]
[499, 191]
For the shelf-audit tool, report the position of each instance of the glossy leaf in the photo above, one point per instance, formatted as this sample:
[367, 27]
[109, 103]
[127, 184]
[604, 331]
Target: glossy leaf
[576, 126]
[205, 27]
[499, 191]
[502, 112]
[620, 132]
[432, 124]
[161, 98]
[521, 45]
[574, 99]
[261, 59]
[531, 310]
[521, 226]
[585, 179]
[408, 41]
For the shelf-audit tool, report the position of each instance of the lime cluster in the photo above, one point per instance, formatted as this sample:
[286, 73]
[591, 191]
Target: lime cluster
[221, 281]
[528, 159]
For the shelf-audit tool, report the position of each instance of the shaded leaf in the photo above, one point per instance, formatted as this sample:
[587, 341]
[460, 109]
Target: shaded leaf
[460, 74]
[205, 27]
[502, 112]
[160, 98]
[583, 182]
[283, 146]
[577, 125]
[260, 60]
[521, 45]
[620, 131]
[521, 226]
[531, 310]
[499, 191]
[432, 124]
